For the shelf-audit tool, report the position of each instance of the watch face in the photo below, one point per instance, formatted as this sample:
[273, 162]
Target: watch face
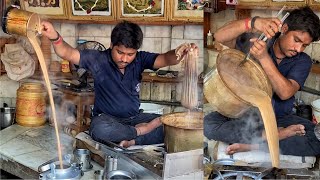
[91, 45]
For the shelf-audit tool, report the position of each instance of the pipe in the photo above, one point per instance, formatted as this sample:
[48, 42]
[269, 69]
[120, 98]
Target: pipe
[310, 90]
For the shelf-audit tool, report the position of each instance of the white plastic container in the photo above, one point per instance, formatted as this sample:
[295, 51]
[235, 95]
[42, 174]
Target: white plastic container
[316, 111]
[152, 108]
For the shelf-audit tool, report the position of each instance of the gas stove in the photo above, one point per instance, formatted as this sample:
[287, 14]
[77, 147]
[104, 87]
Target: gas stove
[146, 162]
[226, 169]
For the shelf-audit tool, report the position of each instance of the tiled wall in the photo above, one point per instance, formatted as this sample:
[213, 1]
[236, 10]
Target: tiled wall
[156, 39]
[313, 81]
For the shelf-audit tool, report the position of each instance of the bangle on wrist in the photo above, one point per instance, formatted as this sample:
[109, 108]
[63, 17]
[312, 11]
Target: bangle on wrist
[253, 20]
[246, 23]
[56, 39]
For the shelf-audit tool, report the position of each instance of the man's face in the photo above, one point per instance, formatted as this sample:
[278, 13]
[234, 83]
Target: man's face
[294, 42]
[122, 56]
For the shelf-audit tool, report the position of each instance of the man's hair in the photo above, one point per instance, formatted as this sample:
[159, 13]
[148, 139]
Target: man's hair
[304, 19]
[127, 34]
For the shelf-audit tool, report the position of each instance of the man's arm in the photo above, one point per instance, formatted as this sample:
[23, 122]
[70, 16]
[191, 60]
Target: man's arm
[62, 49]
[169, 58]
[228, 33]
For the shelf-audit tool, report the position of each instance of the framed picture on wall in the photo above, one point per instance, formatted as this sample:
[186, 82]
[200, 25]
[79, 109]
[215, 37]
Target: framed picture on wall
[100, 10]
[253, 2]
[152, 10]
[51, 9]
[315, 4]
[187, 10]
[289, 3]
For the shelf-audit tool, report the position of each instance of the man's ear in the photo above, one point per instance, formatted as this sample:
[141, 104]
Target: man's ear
[284, 28]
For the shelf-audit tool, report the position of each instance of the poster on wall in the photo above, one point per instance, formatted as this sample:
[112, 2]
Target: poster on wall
[187, 10]
[288, 0]
[136, 8]
[91, 7]
[51, 9]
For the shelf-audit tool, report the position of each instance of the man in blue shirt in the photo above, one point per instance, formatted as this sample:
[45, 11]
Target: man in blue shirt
[287, 67]
[117, 76]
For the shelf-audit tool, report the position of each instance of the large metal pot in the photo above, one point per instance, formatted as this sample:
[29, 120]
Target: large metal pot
[222, 93]
[183, 131]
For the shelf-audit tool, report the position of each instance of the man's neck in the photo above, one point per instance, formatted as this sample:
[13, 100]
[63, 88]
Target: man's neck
[277, 51]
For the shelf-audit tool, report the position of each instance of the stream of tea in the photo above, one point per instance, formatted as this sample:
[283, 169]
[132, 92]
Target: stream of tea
[262, 101]
[33, 40]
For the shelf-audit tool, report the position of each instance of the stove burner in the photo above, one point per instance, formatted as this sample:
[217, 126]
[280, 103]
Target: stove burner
[221, 172]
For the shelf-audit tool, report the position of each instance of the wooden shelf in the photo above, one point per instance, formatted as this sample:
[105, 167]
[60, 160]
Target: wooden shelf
[274, 7]
[315, 68]
[147, 77]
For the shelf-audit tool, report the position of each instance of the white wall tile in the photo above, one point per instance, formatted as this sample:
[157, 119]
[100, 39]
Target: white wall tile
[152, 45]
[158, 31]
[71, 41]
[193, 32]
[308, 50]
[177, 32]
[68, 30]
[262, 13]
[8, 87]
[93, 30]
[316, 51]
[165, 45]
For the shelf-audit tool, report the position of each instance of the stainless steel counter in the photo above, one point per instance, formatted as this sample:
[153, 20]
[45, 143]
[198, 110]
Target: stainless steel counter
[24, 149]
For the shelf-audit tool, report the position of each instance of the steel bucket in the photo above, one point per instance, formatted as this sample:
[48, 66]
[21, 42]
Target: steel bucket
[221, 93]
[183, 131]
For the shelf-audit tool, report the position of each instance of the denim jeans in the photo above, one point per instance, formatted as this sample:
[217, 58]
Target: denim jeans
[248, 130]
[108, 128]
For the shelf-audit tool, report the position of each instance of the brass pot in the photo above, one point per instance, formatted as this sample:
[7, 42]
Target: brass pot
[31, 105]
[20, 22]
[183, 131]
[222, 93]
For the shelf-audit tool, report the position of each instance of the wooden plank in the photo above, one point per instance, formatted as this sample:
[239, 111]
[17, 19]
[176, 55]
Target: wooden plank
[315, 68]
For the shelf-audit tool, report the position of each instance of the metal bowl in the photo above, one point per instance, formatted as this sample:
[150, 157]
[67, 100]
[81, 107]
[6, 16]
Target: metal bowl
[119, 174]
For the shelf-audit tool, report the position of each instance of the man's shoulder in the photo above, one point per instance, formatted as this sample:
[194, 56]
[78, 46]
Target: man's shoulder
[304, 57]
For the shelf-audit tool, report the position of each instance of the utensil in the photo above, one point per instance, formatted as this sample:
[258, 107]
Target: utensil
[98, 174]
[263, 37]
[120, 174]
[83, 156]
[7, 116]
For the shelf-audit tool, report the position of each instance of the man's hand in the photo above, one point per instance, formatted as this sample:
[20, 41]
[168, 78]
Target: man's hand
[48, 30]
[269, 26]
[145, 128]
[184, 49]
[259, 49]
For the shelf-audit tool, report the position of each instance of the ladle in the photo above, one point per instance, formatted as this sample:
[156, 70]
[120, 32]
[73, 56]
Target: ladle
[263, 37]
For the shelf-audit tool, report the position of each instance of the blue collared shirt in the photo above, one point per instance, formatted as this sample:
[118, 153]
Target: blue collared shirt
[116, 94]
